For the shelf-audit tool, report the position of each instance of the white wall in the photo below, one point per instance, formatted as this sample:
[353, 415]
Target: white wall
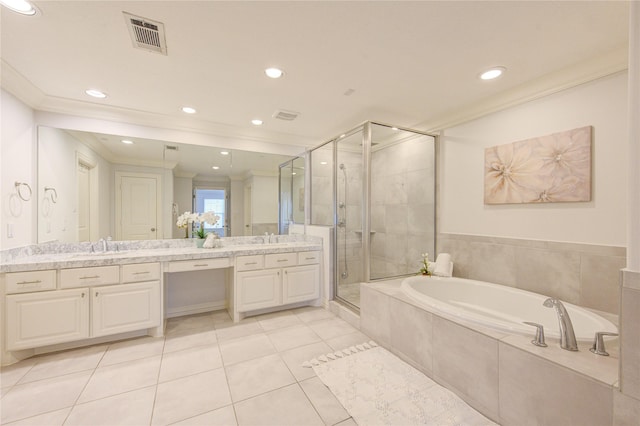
[182, 196]
[57, 169]
[264, 193]
[601, 104]
[17, 163]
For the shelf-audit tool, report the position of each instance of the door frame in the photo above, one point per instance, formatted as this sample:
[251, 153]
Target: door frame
[118, 203]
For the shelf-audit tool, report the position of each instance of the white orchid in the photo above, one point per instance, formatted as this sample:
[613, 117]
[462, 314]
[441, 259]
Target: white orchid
[185, 219]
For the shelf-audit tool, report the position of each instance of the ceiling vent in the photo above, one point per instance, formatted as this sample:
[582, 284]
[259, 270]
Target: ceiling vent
[285, 115]
[146, 34]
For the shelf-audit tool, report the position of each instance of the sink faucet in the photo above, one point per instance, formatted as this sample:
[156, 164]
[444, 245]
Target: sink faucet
[105, 243]
[567, 336]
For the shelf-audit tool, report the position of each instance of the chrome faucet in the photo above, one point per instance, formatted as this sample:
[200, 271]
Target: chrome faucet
[567, 336]
[105, 243]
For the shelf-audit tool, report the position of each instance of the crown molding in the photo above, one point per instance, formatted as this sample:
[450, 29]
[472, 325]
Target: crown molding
[612, 62]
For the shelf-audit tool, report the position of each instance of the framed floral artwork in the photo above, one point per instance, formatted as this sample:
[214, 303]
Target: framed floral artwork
[546, 169]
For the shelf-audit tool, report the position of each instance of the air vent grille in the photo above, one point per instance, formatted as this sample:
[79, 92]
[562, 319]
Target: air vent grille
[146, 34]
[285, 115]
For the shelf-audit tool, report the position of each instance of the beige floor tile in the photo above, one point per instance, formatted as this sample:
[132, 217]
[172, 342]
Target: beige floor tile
[296, 356]
[251, 378]
[227, 322]
[200, 321]
[281, 407]
[130, 350]
[276, 322]
[246, 348]
[311, 313]
[11, 374]
[189, 339]
[293, 337]
[120, 378]
[344, 341]
[189, 361]
[42, 396]
[65, 362]
[190, 396]
[52, 418]
[348, 422]
[225, 416]
[334, 327]
[130, 408]
[221, 316]
[239, 330]
[324, 401]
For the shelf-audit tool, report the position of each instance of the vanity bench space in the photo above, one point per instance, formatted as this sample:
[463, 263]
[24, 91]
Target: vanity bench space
[77, 300]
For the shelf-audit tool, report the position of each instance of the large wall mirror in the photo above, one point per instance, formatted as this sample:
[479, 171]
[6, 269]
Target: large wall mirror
[93, 185]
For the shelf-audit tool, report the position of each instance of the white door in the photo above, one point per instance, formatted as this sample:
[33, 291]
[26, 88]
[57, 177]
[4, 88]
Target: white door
[125, 307]
[84, 203]
[138, 214]
[46, 318]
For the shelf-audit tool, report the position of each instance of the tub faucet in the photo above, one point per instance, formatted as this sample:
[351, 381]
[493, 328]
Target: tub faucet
[567, 336]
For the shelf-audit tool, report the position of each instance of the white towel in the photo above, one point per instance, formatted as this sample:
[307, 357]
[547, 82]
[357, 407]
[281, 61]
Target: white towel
[444, 266]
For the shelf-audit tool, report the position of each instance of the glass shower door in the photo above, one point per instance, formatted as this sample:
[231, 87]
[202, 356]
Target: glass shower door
[348, 216]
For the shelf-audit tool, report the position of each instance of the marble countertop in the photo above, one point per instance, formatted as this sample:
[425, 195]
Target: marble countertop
[140, 255]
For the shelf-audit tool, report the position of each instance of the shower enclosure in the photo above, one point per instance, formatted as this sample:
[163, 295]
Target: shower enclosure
[376, 186]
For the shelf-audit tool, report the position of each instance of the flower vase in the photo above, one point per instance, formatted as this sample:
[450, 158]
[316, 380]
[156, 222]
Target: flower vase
[199, 242]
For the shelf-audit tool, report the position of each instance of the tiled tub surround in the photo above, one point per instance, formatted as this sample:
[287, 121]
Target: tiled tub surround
[170, 258]
[583, 274]
[503, 376]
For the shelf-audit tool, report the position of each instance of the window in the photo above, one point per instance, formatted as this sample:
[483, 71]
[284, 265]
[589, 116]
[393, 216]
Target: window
[212, 200]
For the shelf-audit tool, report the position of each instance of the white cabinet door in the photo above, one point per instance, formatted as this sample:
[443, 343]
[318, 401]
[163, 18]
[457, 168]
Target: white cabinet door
[300, 283]
[46, 318]
[125, 307]
[258, 289]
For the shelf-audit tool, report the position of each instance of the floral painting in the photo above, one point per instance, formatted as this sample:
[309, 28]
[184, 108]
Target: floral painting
[547, 169]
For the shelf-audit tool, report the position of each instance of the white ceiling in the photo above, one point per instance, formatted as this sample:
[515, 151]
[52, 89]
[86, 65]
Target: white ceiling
[412, 64]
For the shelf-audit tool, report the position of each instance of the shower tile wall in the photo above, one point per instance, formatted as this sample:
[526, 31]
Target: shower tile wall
[322, 186]
[402, 209]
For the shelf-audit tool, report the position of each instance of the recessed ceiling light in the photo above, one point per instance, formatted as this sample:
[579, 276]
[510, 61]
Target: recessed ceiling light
[293, 173]
[215, 167]
[323, 163]
[256, 122]
[274, 72]
[492, 73]
[342, 135]
[96, 93]
[127, 142]
[20, 6]
[188, 110]
[224, 152]
[394, 128]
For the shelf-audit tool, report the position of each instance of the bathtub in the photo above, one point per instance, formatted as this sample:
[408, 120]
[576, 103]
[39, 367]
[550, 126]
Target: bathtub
[499, 307]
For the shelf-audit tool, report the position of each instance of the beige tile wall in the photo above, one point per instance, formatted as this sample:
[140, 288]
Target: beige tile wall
[502, 376]
[582, 274]
[630, 342]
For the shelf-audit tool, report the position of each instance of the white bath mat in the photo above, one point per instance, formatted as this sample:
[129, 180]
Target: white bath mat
[378, 388]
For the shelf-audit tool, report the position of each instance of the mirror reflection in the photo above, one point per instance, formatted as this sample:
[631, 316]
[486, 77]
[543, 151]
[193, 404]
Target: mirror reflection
[92, 186]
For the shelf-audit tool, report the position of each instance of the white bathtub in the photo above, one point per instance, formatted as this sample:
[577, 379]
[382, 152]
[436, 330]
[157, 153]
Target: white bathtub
[500, 307]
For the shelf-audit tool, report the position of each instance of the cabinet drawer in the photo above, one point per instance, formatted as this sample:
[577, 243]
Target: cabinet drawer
[140, 272]
[194, 265]
[280, 260]
[21, 282]
[82, 277]
[250, 263]
[308, 257]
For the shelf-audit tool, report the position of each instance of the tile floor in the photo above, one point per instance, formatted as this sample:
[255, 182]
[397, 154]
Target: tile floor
[205, 371]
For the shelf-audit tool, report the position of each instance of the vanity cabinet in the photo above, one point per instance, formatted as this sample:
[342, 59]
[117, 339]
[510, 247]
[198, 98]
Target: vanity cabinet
[80, 303]
[125, 307]
[265, 281]
[45, 318]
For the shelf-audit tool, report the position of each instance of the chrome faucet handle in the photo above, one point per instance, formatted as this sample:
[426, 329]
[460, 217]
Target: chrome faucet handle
[539, 339]
[598, 343]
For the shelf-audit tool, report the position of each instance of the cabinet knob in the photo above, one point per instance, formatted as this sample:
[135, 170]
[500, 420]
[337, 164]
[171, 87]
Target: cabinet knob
[153, 229]
[82, 295]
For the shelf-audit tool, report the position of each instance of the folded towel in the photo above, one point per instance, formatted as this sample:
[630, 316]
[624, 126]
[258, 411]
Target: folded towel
[444, 266]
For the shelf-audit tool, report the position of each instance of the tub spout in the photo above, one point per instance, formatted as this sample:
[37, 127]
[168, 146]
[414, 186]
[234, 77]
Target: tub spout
[567, 336]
